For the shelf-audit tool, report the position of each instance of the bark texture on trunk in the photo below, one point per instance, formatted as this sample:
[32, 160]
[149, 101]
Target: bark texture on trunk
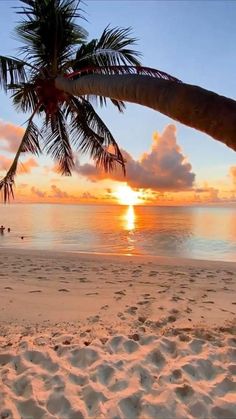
[191, 105]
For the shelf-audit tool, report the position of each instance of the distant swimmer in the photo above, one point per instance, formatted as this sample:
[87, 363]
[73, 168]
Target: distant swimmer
[8, 230]
[2, 229]
[22, 237]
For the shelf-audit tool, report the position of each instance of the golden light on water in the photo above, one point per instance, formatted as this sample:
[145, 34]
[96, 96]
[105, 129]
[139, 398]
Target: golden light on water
[130, 218]
[127, 196]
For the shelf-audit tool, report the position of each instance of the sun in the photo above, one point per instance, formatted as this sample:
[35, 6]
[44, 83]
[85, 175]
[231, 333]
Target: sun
[126, 195]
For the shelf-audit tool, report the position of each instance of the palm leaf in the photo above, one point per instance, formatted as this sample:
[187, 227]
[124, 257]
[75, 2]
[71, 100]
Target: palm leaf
[112, 49]
[49, 31]
[24, 96]
[90, 135]
[12, 71]
[124, 69]
[57, 144]
[29, 143]
[102, 101]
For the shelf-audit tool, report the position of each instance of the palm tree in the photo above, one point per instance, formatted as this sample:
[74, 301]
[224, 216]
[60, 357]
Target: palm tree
[55, 44]
[61, 72]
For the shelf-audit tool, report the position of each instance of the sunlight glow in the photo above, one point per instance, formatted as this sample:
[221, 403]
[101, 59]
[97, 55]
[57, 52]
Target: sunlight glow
[130, 218]
[127, 196]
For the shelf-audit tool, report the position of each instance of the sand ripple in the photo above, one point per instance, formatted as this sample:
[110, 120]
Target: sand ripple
[150, 377]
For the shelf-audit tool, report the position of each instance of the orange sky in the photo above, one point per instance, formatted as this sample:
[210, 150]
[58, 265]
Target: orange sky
[162, 175]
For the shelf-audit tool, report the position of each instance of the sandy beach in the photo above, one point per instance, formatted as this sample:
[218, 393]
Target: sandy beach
[98, 336]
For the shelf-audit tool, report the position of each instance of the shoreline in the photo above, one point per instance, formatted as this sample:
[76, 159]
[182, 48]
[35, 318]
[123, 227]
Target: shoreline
[162, 260]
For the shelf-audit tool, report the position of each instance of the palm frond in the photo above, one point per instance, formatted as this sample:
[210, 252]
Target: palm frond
[29, 143]
[102, 101]
[57, 143]
[124, 69]
[24, 96]
[49, 31]
[12, 71]
[120, 105]
[90, 135]
[112, 49]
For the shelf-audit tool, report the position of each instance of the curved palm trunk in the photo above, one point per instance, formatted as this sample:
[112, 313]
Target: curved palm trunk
[191, 105]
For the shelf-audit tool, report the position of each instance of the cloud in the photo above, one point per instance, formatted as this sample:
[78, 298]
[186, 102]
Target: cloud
[10, 136]
[212, 194]
[23, 167]
[164, 167]
[27, 166]
[38, 192]
[58, 193]
[55, 193]
[87, 195]
[5, 163]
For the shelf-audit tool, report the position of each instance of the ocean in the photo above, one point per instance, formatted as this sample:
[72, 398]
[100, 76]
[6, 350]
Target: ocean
[186, 232]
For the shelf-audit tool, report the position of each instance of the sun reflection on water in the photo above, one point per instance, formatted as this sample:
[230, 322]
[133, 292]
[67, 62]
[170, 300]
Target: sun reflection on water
[130, 218]
[129, 226]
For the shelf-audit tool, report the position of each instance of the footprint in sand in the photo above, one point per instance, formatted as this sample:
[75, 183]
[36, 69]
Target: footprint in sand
[174, 311]
[208, 302]
[175, 298]
[121, 316]
[93, 319]
[153, 273]
[131, 310]
[188, 310]
[171, 319]
[33, 291]
[83, 279]
[137, 271]
[141, 303]
[120, 292]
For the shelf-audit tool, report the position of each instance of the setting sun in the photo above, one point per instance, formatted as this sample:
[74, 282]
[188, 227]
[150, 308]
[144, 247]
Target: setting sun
[127, 196]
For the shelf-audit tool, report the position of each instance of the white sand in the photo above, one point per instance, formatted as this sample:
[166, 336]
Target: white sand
[86, 336]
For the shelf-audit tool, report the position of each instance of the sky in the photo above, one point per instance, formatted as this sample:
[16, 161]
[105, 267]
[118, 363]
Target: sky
[167, 162]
